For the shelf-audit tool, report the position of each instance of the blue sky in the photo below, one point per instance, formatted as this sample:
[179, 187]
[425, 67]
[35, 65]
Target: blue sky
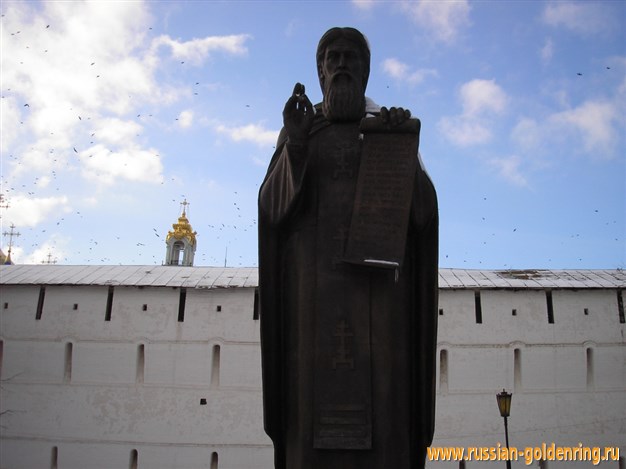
[113, 113]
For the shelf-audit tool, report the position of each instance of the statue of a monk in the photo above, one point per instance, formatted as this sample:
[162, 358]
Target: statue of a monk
[348, 351]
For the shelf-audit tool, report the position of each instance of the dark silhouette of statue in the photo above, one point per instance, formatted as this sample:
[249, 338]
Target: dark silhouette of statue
[348, 347]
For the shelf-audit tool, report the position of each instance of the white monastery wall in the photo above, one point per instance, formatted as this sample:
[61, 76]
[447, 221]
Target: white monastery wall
[568, 377]
[176, 391]
[147, 384]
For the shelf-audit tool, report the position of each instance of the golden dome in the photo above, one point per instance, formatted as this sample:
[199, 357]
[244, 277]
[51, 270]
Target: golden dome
[182, 230]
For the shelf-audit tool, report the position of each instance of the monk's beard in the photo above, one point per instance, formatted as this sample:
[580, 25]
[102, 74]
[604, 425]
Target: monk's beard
[344, 99]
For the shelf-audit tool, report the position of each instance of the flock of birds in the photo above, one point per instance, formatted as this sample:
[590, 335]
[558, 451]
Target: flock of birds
[58, 177]
[62, 164]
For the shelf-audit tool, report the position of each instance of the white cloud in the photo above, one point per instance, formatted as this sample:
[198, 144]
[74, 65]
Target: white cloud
[129, 163]
[464, 131]
[86, 69]
[44, 181]
[395, 69]
[185, 119]
[594, 122]
[26, 211]
[37, 159]
[292, 27]
[52, 250]
[11, 118]
[114, 131]
[443, 20]
[580, 17]
[527, 133]
[480, 100]
[595, 128]
[509, 169]
[197, 50]
[482, 96]
[547, 51]
[364, 4]
[87, 59]
[82, 71]
[400, 71]
[252, 133]
[55, 123]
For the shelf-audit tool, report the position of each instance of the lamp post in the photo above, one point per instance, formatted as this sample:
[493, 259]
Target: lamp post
[504, 405]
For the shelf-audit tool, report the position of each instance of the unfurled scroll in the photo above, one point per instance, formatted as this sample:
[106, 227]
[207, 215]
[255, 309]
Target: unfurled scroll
[380, 217]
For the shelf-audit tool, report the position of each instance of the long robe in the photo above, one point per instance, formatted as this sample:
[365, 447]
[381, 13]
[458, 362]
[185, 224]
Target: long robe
[383, 324]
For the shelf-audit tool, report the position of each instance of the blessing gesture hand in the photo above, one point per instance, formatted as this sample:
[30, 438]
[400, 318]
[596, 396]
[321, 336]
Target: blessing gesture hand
[298, 116]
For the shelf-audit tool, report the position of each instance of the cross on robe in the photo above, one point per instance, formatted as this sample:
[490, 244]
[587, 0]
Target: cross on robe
[341, 160]
[343, 355]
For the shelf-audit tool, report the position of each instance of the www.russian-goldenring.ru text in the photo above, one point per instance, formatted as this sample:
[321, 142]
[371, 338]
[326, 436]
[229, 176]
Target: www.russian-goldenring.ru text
[545, 452]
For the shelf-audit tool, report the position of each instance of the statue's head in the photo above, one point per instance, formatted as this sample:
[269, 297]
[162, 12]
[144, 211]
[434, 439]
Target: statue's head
[349, 36]
[343, 67]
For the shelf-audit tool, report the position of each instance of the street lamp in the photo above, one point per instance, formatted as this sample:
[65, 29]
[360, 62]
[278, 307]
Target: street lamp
[504, 405]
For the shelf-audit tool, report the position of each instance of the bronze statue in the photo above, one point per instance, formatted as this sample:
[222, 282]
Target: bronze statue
[348, 342]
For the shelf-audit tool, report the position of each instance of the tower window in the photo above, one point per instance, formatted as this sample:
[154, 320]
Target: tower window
[178, 249]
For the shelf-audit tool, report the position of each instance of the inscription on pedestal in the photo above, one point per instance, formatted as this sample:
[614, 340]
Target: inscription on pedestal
[343, 426]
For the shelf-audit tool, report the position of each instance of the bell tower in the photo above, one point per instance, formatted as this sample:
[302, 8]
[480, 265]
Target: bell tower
[181, 241]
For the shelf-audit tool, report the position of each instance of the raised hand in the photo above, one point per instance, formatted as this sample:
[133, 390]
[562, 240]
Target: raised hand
[298, 116]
